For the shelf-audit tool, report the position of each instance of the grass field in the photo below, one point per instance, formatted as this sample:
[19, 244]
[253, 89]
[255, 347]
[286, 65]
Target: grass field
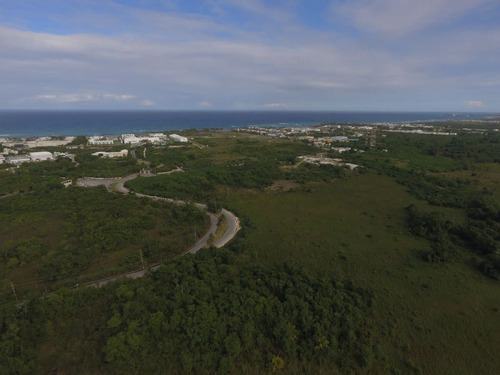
[429, 318]
[63, 227]
[486, 175]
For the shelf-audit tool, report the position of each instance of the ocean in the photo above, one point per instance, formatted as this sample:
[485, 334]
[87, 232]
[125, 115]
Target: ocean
[64, 123]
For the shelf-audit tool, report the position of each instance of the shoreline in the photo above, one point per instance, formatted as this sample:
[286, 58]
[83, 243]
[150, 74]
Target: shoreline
[48, 123]
[33, 137]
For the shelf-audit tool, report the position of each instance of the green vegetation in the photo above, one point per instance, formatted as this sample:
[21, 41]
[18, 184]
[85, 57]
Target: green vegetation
[356, 229]
[62, 234]
[95, 166]
[195, 315]
[392, 268]
[200, 185]
[230, 163]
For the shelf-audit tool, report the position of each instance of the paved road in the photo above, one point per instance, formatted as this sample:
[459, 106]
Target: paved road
[118, 185]
[233, 228]
[109, 183]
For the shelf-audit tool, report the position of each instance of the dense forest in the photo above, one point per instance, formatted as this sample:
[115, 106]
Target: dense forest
[197, 314]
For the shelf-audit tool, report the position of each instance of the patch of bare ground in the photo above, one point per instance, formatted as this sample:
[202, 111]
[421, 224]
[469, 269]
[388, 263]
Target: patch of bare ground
[283, 185]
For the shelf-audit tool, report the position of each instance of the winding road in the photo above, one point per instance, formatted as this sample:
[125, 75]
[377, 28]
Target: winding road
[118, 184]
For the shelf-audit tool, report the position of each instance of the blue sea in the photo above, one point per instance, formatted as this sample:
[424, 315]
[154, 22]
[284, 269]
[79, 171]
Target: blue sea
[64, 123]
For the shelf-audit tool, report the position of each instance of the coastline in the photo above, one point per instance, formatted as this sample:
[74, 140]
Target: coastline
[48, 123]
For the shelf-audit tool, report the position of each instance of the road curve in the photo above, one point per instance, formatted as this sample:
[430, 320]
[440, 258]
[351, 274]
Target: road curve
[118, 184]
[232, 229]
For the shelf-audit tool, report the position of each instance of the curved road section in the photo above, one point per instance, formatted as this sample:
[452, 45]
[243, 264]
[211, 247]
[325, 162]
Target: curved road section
[117, 184]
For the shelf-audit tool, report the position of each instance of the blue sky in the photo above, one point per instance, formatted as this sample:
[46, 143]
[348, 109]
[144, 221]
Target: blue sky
[368, 55]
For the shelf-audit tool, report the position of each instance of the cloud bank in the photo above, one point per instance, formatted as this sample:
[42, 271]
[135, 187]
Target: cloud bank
[381, 55]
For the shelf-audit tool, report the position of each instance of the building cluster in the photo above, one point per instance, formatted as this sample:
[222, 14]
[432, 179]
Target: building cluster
[27, 158]
[323, 136]
[154, 138]
[100, 141]
[133, 139]
[36, 142]
[14, 149]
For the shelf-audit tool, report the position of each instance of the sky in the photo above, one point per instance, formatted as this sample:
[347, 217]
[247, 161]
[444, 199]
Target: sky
[338, 55]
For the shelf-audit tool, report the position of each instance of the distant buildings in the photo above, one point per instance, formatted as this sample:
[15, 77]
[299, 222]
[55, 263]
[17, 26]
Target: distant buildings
[18, 159]
[178, 138]
[38, 142]
[67, 183]
[100, 141]
[341, 149]
[154, 138]
[41, 156]
[27, 158]
[117, 154]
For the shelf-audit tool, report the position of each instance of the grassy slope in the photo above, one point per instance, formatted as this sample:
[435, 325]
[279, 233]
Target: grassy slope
[434, 318]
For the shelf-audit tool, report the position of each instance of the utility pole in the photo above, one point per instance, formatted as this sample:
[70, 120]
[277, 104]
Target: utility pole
[142, 260]
[14, 291]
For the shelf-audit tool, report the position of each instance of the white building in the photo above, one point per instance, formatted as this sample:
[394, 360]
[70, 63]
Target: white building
[19, 159]
[178, 138]
[133, 139]
[117, 154]
[130, 138]
[158, 135]
[41, 156]
[96, 140]
[341, 149]
[49, 142]
[8, 151]
[2, 159]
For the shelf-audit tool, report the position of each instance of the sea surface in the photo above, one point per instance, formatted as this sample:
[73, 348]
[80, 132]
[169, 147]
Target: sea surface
[64, 123]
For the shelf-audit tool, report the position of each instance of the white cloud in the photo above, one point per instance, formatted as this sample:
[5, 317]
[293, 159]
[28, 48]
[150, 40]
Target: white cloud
[183, 59]
[278, 13]
[396, 18]
[122, 97]
[275, 106]
[475, 104]
[79, 98]
[147, 103]
[64, 98]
